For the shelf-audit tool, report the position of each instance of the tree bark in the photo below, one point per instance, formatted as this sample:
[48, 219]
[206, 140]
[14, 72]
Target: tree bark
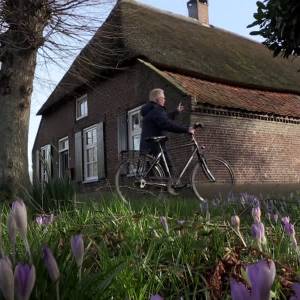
[16, 80]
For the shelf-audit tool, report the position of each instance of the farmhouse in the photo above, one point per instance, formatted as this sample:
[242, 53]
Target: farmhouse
[248, 101]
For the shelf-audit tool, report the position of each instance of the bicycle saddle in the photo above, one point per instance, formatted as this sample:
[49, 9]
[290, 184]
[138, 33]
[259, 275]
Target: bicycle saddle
[157, 139]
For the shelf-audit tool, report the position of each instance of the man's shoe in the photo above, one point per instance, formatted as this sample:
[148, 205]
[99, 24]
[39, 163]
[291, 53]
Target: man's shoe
[181, 185]
[171, 190]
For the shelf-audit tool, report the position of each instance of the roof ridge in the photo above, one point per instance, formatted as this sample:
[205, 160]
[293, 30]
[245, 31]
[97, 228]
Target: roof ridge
[185, 18]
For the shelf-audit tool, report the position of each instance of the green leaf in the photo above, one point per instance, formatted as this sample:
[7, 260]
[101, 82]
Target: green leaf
[260, 5]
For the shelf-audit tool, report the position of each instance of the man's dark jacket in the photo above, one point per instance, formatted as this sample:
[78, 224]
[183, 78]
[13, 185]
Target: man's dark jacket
[156, 121]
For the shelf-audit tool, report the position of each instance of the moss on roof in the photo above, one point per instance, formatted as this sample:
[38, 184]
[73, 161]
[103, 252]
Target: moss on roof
[176, 43]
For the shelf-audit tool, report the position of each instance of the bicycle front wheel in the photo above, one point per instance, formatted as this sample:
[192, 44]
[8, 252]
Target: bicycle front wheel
[132, 184]
[212, 179]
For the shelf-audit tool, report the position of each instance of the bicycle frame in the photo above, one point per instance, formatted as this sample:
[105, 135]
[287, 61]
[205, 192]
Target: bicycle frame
[196, 151]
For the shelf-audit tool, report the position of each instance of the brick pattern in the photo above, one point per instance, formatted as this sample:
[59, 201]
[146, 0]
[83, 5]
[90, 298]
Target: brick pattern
[259, 151]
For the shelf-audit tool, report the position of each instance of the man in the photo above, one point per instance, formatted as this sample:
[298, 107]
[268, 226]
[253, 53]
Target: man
[156, 121]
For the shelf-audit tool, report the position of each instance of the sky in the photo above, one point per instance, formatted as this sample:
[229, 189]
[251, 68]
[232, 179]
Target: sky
[231, 15]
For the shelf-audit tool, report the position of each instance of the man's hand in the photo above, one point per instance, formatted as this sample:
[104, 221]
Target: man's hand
[180, 107]
[191, 130]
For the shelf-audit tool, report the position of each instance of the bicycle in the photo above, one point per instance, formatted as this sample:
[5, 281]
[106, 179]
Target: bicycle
[145, 175]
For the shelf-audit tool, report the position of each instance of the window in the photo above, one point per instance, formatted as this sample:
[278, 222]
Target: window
[90, 154]
[134, 128]
[45, 169]
[63, 150]
[81, 107]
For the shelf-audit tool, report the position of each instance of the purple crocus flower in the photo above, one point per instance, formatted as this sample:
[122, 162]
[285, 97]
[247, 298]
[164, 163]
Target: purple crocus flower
[296, 290]
[239, 290]
[289, 229]
[164, 223]
[6, 278]
[24, 281]
[50, 264]
[39, 220]
[285, 220]
[250, 199]
[44, 219]
[77, 246]
[235, 222]
[156, 297]
[256, 214]
[261, 276]
[258, 232]
[20, 215]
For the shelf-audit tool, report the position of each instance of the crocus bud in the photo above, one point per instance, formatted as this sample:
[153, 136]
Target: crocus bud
[258, 232]
[50, 264]
[77, 247]
[6, 279]
[256, 214]
[285, 220]
[156, 297]
[275, 217]
[11, 228]
[39, 220]
[164, 223]
[235, 222]
[20, 216]
[44, 219]
[24, 281]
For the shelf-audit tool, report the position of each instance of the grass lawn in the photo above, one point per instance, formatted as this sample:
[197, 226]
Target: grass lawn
[129, 254]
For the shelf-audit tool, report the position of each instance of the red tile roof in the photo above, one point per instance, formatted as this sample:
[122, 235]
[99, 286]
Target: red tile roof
[251, 100]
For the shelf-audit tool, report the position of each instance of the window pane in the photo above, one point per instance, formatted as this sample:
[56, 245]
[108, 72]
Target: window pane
[135, 121]
[95, 169]
[64, 163]
[63, 145]
[136, 142]
[92, 169]
[81, 107]
[89, 138]
[91, 155]
[89, 170]
[94, 136]
[84, 108]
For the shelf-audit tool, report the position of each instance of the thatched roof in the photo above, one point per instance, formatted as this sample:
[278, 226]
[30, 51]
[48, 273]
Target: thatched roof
[178, 44]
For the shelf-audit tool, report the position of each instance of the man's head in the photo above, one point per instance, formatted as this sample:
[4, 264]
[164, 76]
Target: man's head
[157, 96]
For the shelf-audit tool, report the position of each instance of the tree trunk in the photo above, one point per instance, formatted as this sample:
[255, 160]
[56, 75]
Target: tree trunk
[16, 80]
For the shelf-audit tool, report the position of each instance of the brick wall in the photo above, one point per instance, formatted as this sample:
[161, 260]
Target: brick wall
[259, 151]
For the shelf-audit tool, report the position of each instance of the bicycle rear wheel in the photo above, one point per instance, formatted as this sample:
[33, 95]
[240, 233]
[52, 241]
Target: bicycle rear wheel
[132, 184]
[221, 187]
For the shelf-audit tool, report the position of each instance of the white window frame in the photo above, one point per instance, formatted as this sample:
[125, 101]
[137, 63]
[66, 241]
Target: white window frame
[79, 101]
[132, 133]
[85, 148]
[45, 163]
[60, 150]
